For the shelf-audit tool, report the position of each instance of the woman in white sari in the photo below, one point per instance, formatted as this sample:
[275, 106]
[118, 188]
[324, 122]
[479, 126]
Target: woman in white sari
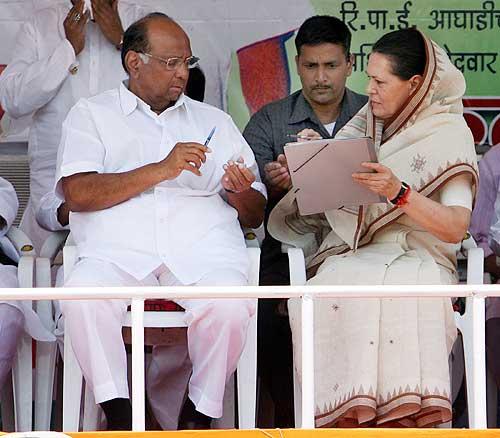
[384, 362]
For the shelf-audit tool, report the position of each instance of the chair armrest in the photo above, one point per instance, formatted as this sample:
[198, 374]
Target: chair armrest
[297, 266]
[468, 243]
[21, 242]
[25, 271]
[475, 266]
[254, 236]
[53, 244]
[253, 274]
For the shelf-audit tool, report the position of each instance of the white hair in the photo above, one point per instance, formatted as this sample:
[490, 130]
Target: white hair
[144, 58]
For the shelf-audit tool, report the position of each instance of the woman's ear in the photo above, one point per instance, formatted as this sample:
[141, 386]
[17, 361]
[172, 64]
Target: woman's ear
[415, 81]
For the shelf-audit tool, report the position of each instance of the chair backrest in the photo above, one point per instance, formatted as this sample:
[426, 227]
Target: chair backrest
[14, 167]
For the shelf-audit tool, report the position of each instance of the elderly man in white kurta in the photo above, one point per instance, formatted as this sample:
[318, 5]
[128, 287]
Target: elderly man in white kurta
[60, 56]
[152, 205]
[15, 316]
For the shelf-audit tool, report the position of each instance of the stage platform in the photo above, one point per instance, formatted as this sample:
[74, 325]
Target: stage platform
[297, 433]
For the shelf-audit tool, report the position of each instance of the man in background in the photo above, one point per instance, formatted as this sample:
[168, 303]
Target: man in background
[61, 55]
[319, 110]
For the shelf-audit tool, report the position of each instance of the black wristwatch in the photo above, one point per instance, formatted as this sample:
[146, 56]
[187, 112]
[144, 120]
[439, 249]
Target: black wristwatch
[404, 188]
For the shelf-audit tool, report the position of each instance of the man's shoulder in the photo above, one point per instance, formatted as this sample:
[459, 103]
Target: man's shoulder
[205, 109]
[276, 110]
[356, 99]
[281, 106]
[108, 99]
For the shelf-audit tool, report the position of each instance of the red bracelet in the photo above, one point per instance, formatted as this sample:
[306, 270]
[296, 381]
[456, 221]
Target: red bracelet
[403, 200]
[402, 197]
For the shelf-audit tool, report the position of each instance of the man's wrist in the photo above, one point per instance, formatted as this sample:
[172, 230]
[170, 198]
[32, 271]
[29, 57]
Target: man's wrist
[237, 192]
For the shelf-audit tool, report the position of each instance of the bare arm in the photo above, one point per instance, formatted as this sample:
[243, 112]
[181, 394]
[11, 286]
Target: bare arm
[447, 223]
[92, 191]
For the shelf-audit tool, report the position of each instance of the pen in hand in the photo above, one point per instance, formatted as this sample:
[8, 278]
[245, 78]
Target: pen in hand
[209, 137]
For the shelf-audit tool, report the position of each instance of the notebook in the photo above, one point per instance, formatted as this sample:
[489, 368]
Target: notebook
[321, 173]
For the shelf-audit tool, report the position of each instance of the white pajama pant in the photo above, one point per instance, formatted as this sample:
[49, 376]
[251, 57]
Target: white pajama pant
[216, 335]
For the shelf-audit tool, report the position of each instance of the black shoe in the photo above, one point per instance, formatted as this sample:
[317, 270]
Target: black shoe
[118, 413]
[191, 419]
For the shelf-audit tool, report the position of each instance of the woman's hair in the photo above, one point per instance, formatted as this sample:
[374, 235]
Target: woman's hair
[406, 50]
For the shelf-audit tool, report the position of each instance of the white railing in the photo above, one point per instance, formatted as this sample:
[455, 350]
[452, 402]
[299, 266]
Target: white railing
[307, 293]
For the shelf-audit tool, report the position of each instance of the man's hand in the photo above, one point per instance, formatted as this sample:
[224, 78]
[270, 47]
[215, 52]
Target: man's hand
[308, 134]
[63, 214]
[75, 25]
[278, 175]
[107, 18]
[184, 156]
[237, 177]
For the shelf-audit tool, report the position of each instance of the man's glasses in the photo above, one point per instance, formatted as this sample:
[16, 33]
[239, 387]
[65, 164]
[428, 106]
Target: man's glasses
[175, 62]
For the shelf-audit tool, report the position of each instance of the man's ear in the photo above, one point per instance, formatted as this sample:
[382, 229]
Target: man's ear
[350, 61]
[297, 62]
[133, 63]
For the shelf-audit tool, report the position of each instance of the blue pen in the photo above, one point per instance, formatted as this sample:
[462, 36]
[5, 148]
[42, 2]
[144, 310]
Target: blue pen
[209, 136]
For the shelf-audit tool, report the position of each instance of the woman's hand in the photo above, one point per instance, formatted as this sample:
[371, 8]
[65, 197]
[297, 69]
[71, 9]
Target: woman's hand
[382, 181]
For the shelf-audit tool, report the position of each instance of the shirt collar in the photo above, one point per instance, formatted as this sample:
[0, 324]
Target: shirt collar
[302, 110]
[129, 101]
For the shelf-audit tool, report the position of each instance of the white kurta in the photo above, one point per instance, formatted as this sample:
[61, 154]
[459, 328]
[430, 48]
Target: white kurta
[180, 232]
[38, 82]
[184, 223]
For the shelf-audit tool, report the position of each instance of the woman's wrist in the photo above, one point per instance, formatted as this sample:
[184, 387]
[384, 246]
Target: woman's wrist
[402, 196]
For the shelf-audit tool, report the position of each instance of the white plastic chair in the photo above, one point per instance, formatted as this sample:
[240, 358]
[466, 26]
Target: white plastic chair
[18, 247]
[474, 344]
[72, 389]
[476, 383]
[46, 352]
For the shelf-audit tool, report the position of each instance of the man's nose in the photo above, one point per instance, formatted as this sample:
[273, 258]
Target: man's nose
[182, 71]
[321, 75]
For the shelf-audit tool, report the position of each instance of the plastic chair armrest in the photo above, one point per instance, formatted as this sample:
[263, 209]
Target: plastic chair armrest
[53, 244]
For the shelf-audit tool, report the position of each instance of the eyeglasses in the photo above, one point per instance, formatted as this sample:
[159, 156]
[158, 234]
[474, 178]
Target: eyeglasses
[175, 62]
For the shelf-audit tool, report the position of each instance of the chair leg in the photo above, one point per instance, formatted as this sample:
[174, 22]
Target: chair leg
[46, 353]
[22, 384]
[72, 387]
[297, 397]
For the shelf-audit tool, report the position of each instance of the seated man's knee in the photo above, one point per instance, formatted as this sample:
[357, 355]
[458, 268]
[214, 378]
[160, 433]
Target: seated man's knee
[233, 313]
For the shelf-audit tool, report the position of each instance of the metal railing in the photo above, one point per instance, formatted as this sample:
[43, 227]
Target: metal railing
[476, 294]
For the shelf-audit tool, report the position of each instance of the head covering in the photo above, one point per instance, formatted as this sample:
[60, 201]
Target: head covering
[425, 144]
